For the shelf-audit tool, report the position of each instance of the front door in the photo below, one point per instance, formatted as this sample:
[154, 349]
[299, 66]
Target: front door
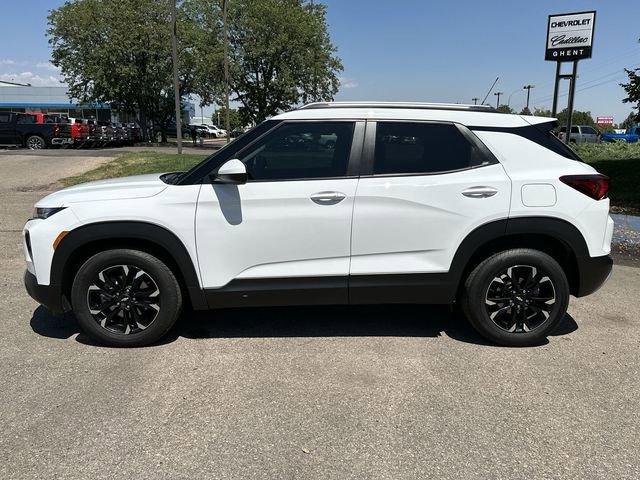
[428, 185]
[285, 235]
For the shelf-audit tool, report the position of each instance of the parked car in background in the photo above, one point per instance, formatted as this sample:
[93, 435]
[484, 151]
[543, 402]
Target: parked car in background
[135, 132]
[95, 132]
[21, 129]
[200, 130]
[79, 131]
[216, 132]
[120, 134]
[581, 134]
[107, 133]
[237, 132]
[632, 135]
[172, 131]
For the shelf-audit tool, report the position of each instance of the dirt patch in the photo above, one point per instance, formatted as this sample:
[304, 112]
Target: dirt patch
[30, 173]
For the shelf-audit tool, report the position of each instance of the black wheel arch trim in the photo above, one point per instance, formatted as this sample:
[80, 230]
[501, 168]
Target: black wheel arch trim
[123, 231]
[556, 228]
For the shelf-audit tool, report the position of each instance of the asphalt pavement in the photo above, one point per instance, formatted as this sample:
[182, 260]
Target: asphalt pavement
[398, 392]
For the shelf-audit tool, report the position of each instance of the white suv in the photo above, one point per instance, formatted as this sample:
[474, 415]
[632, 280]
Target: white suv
[336, 203]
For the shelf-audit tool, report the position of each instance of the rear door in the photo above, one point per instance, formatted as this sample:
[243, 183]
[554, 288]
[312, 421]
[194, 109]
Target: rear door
[425, 187]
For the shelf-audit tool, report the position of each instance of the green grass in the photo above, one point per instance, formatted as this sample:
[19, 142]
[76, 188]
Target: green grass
[136, 163]
[620, 162]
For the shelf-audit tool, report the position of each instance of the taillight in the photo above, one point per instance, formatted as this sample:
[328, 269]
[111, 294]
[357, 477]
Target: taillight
[595, 186]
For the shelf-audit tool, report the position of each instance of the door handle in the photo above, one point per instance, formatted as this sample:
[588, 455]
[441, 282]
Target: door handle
[480, 192]
[327, 198]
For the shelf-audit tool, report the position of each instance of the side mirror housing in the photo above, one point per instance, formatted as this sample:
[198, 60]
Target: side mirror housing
[232, 172]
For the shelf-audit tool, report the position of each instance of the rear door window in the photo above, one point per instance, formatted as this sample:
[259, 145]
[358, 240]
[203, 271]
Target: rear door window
[414, 148]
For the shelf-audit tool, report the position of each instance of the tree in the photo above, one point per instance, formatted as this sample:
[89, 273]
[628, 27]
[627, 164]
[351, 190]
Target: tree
[505, 109]
[234, 118]
[281, 54]
[525, 111]
[632, 88]
[630, 121]
[119, 52]
[578, 118]
[202, 31]
[542, 112]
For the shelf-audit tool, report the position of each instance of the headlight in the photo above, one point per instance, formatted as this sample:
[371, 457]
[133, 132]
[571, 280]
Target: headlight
[46, 212]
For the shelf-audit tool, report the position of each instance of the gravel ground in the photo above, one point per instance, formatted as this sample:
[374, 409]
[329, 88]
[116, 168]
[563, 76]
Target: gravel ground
[384, 392]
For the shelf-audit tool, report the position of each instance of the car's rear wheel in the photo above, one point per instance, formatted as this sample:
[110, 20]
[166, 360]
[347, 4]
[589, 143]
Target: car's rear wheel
[125, 298]
[516, 297]
[36, 142]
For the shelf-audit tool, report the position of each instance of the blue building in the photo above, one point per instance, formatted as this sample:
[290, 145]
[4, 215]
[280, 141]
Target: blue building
[16, 97]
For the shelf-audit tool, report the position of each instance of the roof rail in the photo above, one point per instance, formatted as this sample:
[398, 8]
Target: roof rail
[408, 105]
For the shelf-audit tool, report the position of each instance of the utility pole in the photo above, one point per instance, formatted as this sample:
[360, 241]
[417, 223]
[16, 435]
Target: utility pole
[225, 29]
[498, 100]
[528, 89]
[475, 100]
[176, 81]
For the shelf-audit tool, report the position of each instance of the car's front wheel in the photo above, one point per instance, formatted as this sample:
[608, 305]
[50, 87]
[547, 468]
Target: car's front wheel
[125, 298]
[516, 297]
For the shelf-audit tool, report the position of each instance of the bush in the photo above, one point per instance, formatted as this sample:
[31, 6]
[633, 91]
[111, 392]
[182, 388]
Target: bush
[620, 161]
[593, 152]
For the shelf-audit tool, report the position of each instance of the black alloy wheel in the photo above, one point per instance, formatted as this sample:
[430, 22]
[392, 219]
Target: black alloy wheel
[520, 299]
[123, 299]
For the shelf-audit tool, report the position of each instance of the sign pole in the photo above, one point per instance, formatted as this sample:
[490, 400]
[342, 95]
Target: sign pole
[554, 108]
[572, 92]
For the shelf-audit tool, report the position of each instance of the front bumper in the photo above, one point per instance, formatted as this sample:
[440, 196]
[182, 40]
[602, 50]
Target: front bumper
[48, 295]
[593, 273]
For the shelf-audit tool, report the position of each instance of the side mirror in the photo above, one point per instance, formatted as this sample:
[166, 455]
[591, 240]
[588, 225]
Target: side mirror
[232, 172]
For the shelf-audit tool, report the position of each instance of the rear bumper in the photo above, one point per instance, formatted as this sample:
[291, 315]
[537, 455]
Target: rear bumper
[593, 273]
[48, 295]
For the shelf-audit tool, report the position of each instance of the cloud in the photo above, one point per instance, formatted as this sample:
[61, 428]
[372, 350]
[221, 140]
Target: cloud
[347, 82]
[32, 78]
[7, 61]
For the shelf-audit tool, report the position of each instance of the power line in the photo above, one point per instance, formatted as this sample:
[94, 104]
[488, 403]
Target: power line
[617, 79]
[618, 76]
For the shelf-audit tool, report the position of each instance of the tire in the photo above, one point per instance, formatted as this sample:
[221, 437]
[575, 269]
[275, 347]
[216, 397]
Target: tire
[524, 283]
[35, 142]
[118, 317]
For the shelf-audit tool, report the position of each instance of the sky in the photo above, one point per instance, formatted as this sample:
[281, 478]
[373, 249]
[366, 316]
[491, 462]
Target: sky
[419, 50]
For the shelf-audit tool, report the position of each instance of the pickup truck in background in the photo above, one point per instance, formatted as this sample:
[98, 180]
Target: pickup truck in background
[581, 134]
[79, 132]
[23, 130]
[632, 135]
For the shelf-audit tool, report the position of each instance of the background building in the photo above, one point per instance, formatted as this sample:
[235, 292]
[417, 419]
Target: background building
[16, 97]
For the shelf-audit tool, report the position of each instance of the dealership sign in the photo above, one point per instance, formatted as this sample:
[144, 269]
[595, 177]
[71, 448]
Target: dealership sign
[570, 36]
[604, 120]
